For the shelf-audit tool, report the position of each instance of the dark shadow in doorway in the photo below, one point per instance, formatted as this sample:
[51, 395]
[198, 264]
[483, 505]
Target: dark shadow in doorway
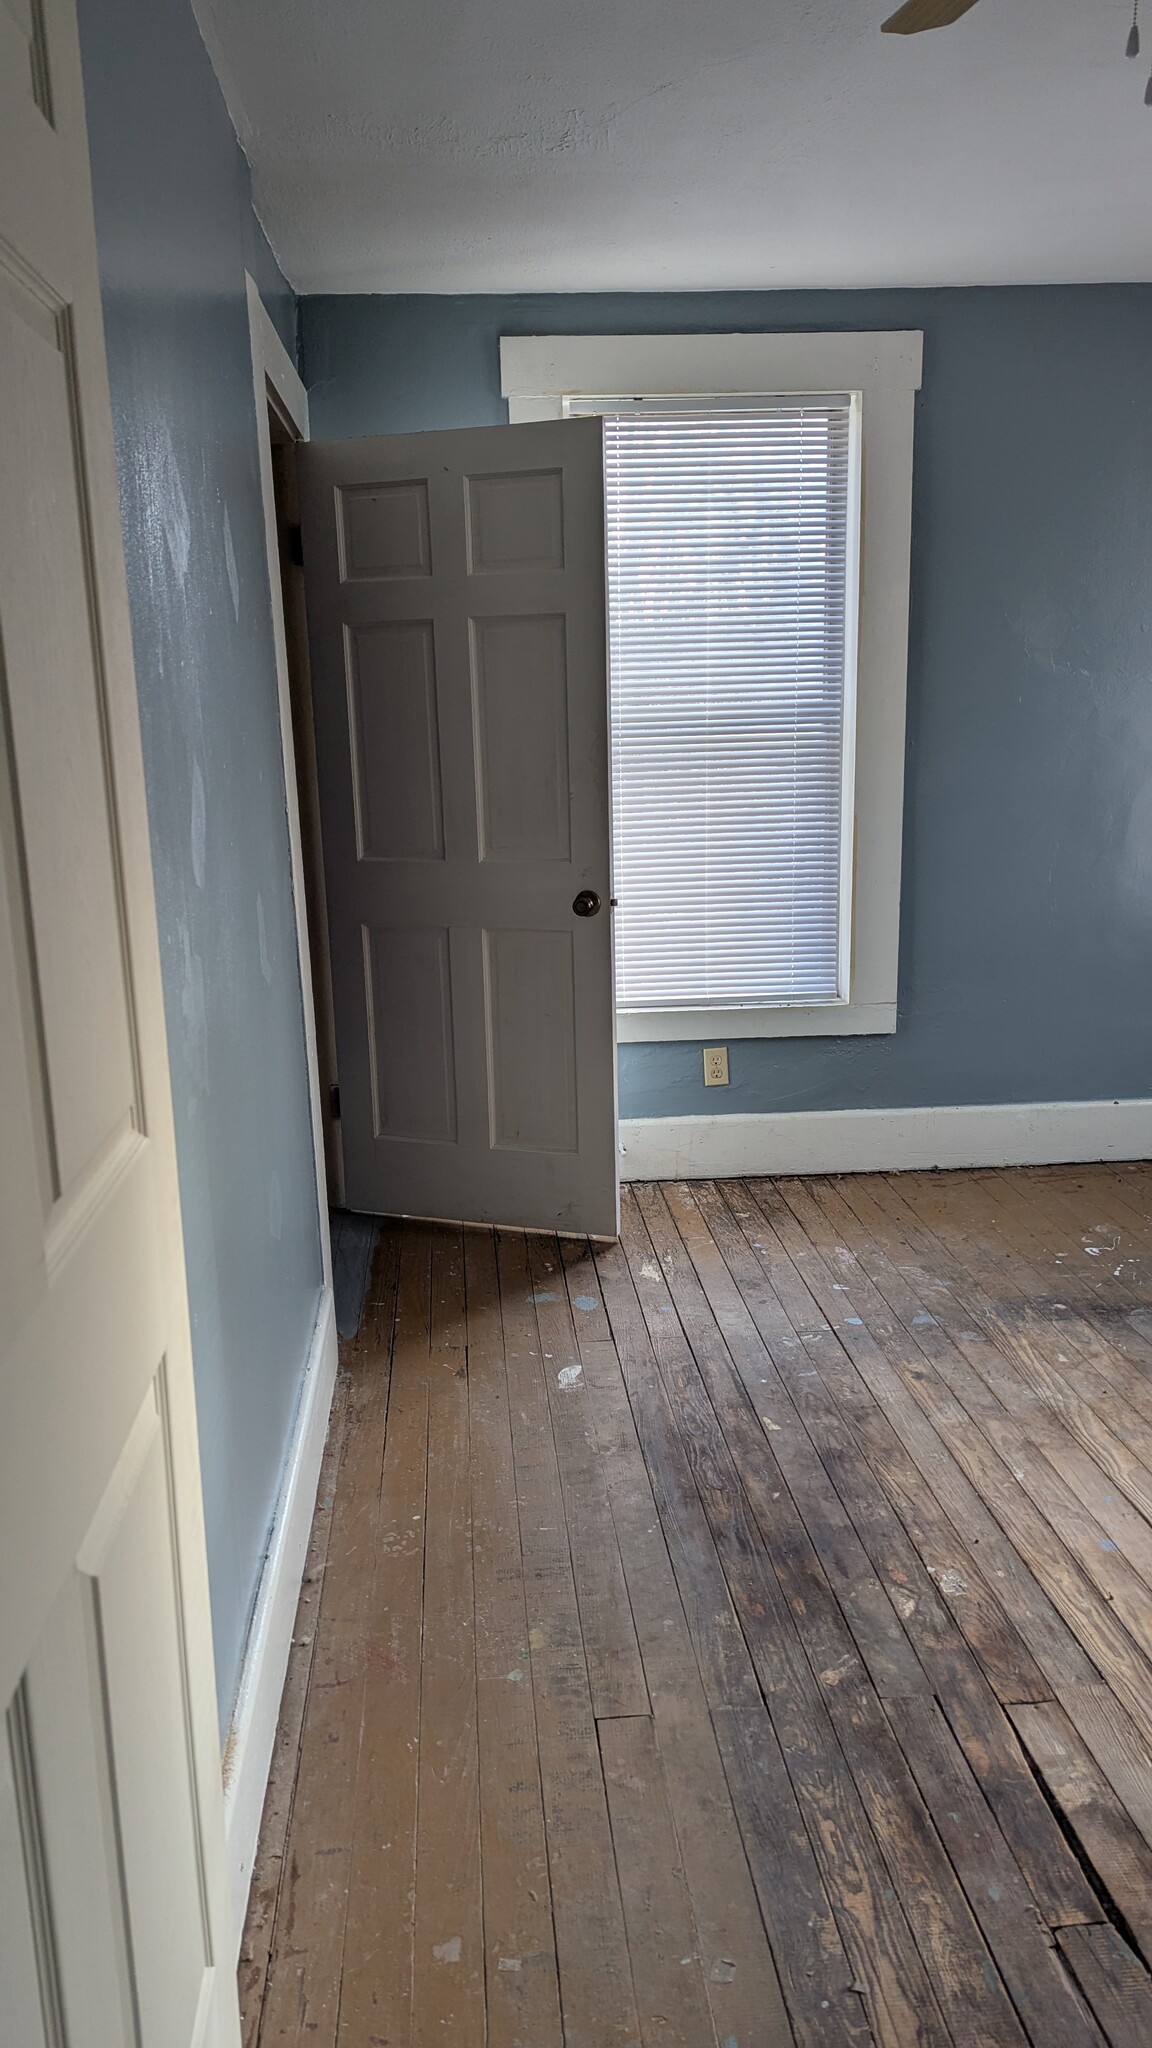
[353, 1243]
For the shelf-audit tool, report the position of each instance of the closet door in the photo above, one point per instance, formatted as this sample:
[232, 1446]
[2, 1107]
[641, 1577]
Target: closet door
[459, 671]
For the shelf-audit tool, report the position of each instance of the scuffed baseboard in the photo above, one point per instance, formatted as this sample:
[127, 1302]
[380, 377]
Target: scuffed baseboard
[248, 1751]
[884, 1140]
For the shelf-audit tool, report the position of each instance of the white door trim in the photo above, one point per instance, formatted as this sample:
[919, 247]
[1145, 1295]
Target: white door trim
[272, 365]
[252, 1736]
[884, 1140]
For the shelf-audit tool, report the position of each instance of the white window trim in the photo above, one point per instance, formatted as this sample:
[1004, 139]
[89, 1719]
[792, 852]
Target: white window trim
[539, 372]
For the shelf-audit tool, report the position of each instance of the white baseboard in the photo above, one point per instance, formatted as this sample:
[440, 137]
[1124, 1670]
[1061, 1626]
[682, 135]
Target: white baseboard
[883, 1140]
[248, 1751]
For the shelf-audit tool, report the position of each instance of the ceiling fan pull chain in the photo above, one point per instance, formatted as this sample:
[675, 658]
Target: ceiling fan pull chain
[1132, 47]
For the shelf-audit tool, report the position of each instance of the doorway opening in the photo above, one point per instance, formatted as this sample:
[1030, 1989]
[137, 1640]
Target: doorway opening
[284, 437]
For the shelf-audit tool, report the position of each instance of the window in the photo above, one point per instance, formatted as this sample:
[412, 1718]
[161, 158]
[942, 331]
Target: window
[757, 500]
[731, 567]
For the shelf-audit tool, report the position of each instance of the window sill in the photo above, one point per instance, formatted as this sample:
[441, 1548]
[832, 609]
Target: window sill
[717, 1027]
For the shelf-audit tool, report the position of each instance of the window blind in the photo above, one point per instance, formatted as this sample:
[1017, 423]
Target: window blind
[727, 535]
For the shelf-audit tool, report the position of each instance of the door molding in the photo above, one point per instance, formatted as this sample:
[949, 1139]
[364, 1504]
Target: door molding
[252, 1733]
[274, 373]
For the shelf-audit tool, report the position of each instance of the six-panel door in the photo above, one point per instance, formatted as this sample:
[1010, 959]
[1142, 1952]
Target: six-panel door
[457, 620]
[113, 1891]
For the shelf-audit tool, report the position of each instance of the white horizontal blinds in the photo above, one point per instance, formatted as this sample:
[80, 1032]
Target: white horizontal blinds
[727, 560]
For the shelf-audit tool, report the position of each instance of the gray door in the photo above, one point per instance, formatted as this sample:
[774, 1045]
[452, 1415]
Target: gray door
[459, 674]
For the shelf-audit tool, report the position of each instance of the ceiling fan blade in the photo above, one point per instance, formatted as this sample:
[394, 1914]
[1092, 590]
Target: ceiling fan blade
[916, 15]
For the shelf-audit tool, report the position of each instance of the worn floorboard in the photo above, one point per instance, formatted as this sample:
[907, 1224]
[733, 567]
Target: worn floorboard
[736, 1637]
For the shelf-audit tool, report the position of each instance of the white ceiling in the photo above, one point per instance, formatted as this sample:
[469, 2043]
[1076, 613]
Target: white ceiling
[587, 145]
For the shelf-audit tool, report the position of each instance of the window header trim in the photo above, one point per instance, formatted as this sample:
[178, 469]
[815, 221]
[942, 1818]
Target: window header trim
[555, 366]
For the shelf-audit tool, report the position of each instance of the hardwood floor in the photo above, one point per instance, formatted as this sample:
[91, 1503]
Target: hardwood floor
[740, 1635]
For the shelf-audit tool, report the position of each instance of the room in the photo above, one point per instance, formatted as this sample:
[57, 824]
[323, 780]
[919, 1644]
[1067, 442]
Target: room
[576, 1306]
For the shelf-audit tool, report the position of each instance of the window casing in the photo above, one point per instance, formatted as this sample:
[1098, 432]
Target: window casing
[872, 379]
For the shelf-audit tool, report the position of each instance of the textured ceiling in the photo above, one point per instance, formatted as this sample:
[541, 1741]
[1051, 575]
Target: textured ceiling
[528, 145]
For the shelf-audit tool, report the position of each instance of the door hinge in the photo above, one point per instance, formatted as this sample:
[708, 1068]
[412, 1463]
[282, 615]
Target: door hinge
[334, 1102]
[296, 546]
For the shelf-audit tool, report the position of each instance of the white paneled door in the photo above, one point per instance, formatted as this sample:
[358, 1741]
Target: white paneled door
[112, 1868]
[459, 674]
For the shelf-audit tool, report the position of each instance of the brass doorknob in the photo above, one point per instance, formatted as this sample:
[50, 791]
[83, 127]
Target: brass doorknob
[586, 904]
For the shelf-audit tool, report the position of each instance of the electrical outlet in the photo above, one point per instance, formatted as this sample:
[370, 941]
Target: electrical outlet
[715, 1066]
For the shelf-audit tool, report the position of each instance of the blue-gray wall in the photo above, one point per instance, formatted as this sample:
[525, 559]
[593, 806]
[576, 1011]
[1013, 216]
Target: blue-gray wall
[1026, 952]
[176, 232]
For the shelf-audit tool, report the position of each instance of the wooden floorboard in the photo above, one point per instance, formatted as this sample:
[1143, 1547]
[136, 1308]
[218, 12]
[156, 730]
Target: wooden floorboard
[739, 1636]
[376, 1967]
[597, 1998]
[523, 1997]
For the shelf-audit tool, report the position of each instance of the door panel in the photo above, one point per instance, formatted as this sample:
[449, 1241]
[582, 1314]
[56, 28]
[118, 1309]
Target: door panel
[413, 1077]
[129, 1563]
[515, 521]
[396, 742]
[111, 1842]
[530, 986]
[456, 609]
[28, 1977]
[520, 709]
[384, 531]
[55, 734]
[77, 1814]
